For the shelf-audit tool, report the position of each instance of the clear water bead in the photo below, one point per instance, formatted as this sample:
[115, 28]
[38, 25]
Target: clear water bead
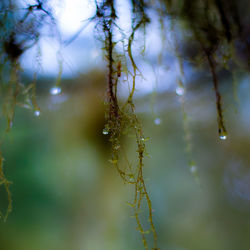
[55, 90]
[157, 121]
[179, 91]
[193, 169]
[105, 132]
[37, 113]
[223, 137]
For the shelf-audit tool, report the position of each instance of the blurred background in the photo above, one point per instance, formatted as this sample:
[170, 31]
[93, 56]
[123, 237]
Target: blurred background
[66, 194]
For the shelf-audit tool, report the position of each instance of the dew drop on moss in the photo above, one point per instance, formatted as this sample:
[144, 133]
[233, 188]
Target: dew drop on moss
[55, 90]
[222, 134]
[157, 121]
[37, 113]
[105, 132]
[193, 169]
[223, 137]
[179, 91]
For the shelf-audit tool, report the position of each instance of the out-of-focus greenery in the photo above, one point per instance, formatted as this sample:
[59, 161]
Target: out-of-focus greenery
[66, 195]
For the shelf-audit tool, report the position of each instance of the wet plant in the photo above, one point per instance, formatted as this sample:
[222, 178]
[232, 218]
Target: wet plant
[214, 37]
[121, 117]
[20, 30]
[215, 25]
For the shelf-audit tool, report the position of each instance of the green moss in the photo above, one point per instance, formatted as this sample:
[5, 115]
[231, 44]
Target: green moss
[18, 33]
[4, 182]
[121, 118]
[215, 26]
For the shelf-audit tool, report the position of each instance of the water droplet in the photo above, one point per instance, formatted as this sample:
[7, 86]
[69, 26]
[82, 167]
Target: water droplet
[26, 106]
[223, 137]
[143, 139]
[55, 90]
[157, 121]
[105, 131]
[222, 134]
[179, 91]
[193, 169]
[37, 112]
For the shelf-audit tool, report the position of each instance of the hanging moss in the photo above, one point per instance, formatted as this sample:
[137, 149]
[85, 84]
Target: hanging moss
[218, 27]
[19, 32]
[122, 117]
